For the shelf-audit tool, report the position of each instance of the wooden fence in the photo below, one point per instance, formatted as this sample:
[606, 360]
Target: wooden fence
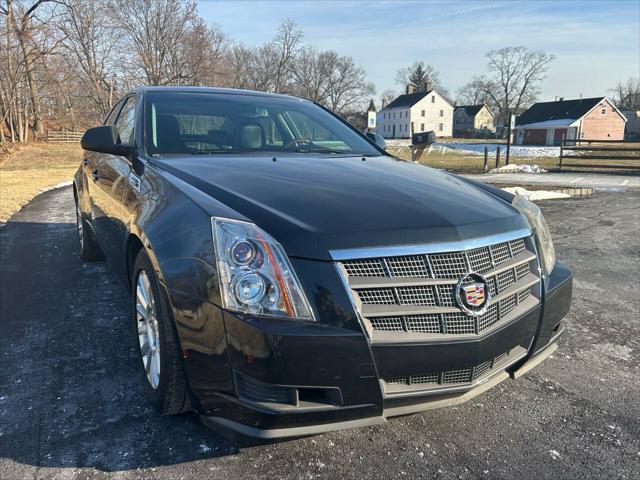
[622, 155]
[63, 137]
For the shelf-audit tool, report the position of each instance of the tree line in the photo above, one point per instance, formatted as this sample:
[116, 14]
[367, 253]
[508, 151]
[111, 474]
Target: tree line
[63, 63]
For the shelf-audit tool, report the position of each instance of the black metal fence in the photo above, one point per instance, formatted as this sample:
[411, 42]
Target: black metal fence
[602, 154]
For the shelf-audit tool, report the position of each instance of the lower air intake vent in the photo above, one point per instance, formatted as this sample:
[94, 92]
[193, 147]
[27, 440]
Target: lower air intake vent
[256, 391]
[453, 378]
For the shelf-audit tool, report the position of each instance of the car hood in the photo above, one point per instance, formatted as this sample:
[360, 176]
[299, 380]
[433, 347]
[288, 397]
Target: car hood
[313, 204]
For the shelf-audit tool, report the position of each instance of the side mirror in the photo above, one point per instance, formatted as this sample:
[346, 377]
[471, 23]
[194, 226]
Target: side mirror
[377, 139]
[104, 139]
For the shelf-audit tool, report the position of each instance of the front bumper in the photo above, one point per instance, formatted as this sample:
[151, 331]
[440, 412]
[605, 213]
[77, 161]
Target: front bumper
[311, 362]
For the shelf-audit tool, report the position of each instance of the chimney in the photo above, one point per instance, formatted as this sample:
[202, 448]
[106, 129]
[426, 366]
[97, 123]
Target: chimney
[561, 99]
[410, 89]
[428, 86]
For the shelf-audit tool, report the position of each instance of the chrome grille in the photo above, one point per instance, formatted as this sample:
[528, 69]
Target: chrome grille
[376, 296]
[448, 265]
[413, 266]
[459, 377]
[415, 294]
[500, 253]
[389, 324]
[423, 323]
[480, 260]
[364, 268]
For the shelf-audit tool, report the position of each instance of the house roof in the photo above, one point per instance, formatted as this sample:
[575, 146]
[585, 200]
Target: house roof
[407, 100]
[471, 110]
[560, 110]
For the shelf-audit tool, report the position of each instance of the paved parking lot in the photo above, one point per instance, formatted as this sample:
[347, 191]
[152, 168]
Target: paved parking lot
[70, 406]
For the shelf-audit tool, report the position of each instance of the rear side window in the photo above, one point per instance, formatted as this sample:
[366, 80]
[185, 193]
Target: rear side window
[126, 119]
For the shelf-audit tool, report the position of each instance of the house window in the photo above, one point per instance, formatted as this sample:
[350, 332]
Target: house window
[433, 99]
[394, 115]
[406, 114]
[442, 113]
[603, 111]
[422, 113]
[422, 127]
[440, 126]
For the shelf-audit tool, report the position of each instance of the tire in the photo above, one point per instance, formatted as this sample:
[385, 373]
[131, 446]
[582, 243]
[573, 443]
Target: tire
[90, 251]
[167, 390]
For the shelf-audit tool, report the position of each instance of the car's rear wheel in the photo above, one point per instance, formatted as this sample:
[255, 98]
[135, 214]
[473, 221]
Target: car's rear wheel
[89, 248]
[161, 359]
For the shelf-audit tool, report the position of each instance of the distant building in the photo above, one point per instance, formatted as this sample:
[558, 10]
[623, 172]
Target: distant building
[416, 112]
[472, 121]
[632, 127]
[546, 123]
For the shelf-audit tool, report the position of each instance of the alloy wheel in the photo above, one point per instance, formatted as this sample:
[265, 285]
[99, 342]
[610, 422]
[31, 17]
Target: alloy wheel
[148, 331]
[80, 226]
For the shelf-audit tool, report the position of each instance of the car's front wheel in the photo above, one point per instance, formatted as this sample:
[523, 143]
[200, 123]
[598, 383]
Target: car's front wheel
[89, 248]
[158, 346]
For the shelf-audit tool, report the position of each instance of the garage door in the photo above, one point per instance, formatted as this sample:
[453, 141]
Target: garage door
[535, 137]
[558, 135]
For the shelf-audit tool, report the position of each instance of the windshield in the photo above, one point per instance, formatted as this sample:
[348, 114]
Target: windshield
[222, 123]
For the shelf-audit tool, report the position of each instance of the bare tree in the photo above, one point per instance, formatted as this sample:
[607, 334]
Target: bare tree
[387, 97]
[285, 47]
[156, 31]
[517, 73]
[90, 43]
[65, 66]
[626, 94]
[312, 75]
[203, 55]
[473, 92]
[32, 39]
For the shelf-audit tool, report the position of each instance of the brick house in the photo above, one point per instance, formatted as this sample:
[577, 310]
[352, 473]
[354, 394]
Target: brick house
[416, 112]
[546, 123]
[472, 121]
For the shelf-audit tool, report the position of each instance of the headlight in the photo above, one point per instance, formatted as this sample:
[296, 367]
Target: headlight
[255, 273]
[541, 232]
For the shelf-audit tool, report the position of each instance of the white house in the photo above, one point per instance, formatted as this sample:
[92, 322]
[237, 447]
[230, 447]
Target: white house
[416, 112]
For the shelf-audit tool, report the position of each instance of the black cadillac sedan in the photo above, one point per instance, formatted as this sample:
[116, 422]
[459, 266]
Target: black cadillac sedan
[289, 277]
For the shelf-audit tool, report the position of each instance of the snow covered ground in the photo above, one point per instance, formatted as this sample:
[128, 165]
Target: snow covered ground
[533, 195]
[478, 148]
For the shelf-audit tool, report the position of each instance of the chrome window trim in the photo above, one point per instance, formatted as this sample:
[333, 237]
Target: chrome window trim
[427, 248]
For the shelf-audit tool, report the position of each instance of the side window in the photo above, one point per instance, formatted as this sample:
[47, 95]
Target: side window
[126, 119]
[113, 113]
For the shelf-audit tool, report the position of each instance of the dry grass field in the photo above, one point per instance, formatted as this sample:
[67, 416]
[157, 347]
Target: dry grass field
[30, 168]
[467, 163]
[462, 162]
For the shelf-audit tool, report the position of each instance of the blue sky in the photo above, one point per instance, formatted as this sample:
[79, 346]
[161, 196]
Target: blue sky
[596, 43]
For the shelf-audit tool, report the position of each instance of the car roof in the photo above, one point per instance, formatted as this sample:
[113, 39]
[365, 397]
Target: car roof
[219, 90]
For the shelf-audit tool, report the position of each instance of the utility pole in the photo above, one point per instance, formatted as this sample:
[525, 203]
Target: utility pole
[512, 119]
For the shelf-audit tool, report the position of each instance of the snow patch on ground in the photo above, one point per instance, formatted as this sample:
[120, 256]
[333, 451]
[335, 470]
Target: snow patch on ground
[533, 195]
[478, 149]
[57, 185]
[518, 168]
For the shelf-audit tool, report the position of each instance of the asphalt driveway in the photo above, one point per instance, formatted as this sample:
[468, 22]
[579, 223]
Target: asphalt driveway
[71, 405]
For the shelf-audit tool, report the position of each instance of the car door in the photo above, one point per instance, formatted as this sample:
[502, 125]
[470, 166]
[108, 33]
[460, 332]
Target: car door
[109, 179]
[89, 162]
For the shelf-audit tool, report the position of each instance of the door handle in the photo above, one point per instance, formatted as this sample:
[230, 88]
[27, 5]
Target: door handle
[95, 175]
